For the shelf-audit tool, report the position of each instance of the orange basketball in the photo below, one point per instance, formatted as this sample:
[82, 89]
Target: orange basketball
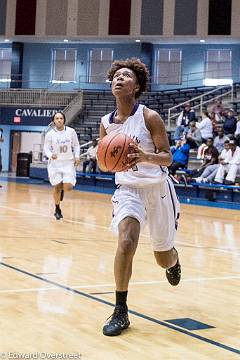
[112, 152]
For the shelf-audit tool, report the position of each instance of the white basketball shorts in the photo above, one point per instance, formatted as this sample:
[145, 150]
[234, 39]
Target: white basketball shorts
[156, 205]
[61, 171]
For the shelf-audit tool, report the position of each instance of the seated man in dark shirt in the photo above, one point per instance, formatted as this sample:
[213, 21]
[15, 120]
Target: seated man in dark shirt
[210, 158]
[185, 117]
[230, 123]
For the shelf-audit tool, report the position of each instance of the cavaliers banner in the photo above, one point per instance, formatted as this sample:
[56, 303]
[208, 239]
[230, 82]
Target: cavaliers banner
[27, 115]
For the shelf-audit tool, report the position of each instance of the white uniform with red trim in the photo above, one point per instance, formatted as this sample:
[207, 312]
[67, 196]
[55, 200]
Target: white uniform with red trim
[145, 193]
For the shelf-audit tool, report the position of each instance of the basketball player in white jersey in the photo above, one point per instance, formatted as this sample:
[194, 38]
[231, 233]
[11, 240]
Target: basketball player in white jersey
[62, 148]
[145, 193]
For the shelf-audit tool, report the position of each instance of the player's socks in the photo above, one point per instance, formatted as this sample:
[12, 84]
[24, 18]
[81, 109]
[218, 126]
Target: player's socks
[173, 274]
[121, 298]
[58, 213]
[118, 321]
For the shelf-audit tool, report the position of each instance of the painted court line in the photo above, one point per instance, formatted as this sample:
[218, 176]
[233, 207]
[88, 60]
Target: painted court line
[145, 317]
[136, 283]
[51, 217]
[107, 228]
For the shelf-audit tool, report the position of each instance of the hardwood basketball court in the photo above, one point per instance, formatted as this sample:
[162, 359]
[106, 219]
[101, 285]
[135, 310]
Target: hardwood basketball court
[57, 285]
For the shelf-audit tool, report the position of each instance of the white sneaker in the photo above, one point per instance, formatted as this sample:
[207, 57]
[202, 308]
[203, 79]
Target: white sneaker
[205, 180]
[199, 179]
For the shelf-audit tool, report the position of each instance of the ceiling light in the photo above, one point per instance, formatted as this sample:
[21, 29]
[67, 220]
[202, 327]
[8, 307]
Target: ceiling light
[6, 40]
[138, 40]
[202, 41]
[65, 40]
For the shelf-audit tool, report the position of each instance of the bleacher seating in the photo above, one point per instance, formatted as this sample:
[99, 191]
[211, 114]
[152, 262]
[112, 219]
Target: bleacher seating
[98, 103]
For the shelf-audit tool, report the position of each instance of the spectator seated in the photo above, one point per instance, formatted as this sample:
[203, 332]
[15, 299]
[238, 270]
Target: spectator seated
[230, 123]
[183, 120]
[91, 162]
[209, 156]
[231, 165]
[180, 156]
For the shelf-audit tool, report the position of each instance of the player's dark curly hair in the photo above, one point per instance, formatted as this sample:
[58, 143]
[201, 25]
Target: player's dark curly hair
[139, 69]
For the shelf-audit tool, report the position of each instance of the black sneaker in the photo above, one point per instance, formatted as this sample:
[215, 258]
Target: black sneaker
[62, 195]
[58, 214]
[173, 274]
[118, 321]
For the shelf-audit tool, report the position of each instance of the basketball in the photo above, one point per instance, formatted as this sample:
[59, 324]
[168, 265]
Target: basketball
[112, 152]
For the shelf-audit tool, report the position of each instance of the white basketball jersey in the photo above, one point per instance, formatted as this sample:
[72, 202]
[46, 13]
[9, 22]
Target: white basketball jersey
[62, 143]
[145, 173]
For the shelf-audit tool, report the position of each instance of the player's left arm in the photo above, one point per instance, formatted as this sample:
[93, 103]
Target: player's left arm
[162, 155]
[76, 148]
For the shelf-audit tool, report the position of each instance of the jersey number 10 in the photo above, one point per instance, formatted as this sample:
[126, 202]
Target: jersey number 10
[63, 149]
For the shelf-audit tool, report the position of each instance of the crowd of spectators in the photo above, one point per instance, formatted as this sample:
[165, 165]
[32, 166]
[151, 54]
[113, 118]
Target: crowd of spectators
[216, 138]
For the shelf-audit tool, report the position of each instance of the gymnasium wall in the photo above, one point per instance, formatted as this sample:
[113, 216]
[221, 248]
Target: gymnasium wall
[37, 69]
[37, 62]
[6, 146]
[126, 18]
[117, 24]
[3, 4]
[40, 26]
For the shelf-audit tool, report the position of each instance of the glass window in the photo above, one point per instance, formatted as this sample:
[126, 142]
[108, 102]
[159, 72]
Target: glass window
[5, 64]
[99, 64]
[218, 64]
[64, 65]
[168, 65]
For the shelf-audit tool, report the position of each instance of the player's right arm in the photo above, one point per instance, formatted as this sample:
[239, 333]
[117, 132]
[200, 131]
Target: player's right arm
[48, 147]
[102, 131]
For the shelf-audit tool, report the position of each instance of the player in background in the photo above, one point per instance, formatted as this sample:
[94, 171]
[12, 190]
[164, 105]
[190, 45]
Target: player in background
[62, 148]
[145, 193]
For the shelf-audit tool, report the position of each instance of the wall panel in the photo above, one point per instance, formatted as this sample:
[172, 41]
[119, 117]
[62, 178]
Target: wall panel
[185, 19]
[25, 17]
[3, 7]
[56, 19]
[119, 17]
[219, 21]
[88, 15]
[152, 17]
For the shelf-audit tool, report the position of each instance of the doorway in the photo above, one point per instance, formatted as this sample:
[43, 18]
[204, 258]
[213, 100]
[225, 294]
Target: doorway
[22, 142]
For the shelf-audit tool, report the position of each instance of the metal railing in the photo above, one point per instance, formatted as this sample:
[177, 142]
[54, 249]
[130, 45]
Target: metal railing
[196, 78]
[201, 100]
[73, 108]
[85, 145]
[36, 97]
[84, 80]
